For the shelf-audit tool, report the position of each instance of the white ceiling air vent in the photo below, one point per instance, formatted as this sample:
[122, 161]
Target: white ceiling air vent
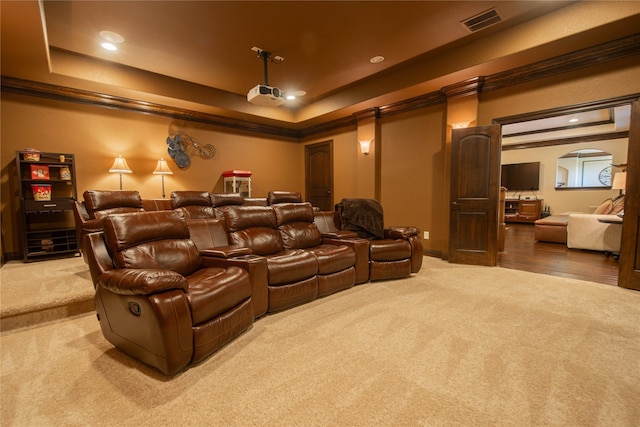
[482, 20]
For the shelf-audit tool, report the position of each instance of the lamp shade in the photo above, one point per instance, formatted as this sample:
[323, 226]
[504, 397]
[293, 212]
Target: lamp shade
[120, 166]
[365, 146]
[619, 181]
[162, 168]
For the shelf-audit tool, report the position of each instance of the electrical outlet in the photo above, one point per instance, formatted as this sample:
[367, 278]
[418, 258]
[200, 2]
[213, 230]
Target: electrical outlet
[426, 235]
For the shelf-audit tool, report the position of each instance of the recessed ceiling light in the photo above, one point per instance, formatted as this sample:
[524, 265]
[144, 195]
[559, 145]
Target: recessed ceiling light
[574, 120]
[109, 46]
[111, 37]
[295, 94]
[376, 59]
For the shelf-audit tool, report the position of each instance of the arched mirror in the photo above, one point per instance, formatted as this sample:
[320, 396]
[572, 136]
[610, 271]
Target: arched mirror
[586, 168]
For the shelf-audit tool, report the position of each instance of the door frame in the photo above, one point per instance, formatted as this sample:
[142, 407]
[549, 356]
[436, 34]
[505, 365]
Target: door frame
[631, 242]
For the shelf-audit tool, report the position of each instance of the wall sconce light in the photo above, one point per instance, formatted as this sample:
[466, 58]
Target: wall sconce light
[460, 125]
[120, 166]
[619, 182]
[162, 169]
[365, 146]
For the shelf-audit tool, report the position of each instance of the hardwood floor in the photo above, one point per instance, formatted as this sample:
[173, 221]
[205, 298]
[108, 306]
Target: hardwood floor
[522, 252]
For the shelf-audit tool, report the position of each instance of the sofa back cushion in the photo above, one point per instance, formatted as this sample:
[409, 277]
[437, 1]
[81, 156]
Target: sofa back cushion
[197, 212]
[227, 199]
[100, 203]
[190, 198]
[283, 197]
[223, 201]
[208, 233]
[151, 240]
[156, 204]
[253, 227]
[255, 201]
[296, 226]
[193, 204]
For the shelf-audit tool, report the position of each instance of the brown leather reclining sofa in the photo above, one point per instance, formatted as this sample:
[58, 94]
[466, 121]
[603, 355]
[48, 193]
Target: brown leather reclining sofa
[174, 285]
[156, 298]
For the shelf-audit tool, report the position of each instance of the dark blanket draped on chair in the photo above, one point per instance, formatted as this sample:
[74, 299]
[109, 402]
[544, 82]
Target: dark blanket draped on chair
[363, 216]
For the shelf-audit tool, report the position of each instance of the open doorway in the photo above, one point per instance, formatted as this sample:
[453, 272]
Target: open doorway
[546, 138]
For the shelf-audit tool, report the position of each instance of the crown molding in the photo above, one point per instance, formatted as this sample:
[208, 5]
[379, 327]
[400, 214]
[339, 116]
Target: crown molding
[464, 88]
[601, 53]
[604, 52]
[565, 141]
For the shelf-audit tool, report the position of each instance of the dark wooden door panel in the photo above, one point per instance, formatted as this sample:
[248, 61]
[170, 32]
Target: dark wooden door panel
[475, 177]
[473, 226]
[319, 174]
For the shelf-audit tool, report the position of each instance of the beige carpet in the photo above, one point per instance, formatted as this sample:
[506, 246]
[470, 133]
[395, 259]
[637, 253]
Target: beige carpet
[454, 345]
[42, 291]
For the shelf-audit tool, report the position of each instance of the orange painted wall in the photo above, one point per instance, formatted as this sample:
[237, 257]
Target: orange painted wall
[412, 172]
[97, 135]
[411, 148]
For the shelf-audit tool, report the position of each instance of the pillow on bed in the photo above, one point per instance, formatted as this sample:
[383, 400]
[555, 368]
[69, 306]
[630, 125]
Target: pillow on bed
[604, 208]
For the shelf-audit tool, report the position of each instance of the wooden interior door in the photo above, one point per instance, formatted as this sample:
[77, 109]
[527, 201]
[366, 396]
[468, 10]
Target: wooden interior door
[629, 274]
[319, 174]
[475, 190]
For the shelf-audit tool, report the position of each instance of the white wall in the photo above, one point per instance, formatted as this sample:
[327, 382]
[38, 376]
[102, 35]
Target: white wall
[561, 201]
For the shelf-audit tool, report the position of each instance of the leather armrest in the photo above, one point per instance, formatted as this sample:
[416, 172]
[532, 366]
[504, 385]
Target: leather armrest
[226, 251]
[400, 232]
[340, 234]
[92, 225]
[256, 266]
[141, 281]
[361, 248]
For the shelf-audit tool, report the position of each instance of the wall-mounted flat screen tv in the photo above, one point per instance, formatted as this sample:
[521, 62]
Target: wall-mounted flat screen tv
[521, 176]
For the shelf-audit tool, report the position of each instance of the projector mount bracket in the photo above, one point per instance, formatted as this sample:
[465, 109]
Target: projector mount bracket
[266, 57]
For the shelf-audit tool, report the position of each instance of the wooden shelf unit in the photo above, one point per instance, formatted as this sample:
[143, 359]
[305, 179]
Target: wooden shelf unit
[48, 226]
[522, 210]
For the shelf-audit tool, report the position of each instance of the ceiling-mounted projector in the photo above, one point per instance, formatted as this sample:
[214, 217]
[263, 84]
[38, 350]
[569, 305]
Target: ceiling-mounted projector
[266, 96]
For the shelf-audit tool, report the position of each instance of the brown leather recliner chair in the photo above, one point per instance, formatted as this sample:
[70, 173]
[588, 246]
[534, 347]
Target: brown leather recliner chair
[155, 299]
[336, 261]
[97, 204]
[212, 241]
[394, 252]
[193, 204]
[292, 273]
[326, 223]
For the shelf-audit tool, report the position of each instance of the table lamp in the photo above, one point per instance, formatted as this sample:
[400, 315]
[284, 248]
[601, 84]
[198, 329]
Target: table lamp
[120, 166]
[162, 169]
